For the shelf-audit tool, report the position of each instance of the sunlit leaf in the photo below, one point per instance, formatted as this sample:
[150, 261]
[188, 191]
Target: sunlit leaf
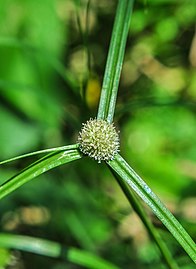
[39, 167]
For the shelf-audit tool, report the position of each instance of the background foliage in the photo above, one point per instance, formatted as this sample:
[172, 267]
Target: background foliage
[47, 91]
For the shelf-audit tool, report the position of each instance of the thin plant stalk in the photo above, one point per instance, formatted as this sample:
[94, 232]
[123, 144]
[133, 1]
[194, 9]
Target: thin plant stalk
[115, 60]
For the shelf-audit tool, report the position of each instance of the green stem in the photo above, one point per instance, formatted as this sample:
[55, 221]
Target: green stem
[115, 60]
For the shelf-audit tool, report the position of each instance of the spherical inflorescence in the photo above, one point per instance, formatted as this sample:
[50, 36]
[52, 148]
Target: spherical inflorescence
[99, 140]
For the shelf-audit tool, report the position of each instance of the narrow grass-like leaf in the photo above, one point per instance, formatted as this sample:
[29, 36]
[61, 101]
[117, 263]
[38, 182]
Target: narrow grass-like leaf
[30, 244]
[54, 250]
[127, 174]
[136, 205]
[39, 152]
[89, 260]
[39, 167]
[114, 61]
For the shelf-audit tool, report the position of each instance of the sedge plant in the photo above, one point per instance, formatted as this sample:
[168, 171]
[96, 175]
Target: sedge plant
[99, 139]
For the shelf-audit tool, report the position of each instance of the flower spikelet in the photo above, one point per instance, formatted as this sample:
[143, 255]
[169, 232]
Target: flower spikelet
[99, 140]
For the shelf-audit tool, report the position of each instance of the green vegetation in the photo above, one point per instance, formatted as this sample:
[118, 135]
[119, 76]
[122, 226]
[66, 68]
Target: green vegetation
[79, 216]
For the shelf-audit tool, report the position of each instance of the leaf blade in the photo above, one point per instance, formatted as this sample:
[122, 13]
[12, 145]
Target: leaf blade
[127, 174]
[54, 249]
[154, 234]
[39, 167]
[39, 152]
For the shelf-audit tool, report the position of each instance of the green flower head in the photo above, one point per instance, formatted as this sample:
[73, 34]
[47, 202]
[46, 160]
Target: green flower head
[99, 140]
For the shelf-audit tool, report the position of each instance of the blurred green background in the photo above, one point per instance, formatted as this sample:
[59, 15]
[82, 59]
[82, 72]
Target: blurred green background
[47, 91]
